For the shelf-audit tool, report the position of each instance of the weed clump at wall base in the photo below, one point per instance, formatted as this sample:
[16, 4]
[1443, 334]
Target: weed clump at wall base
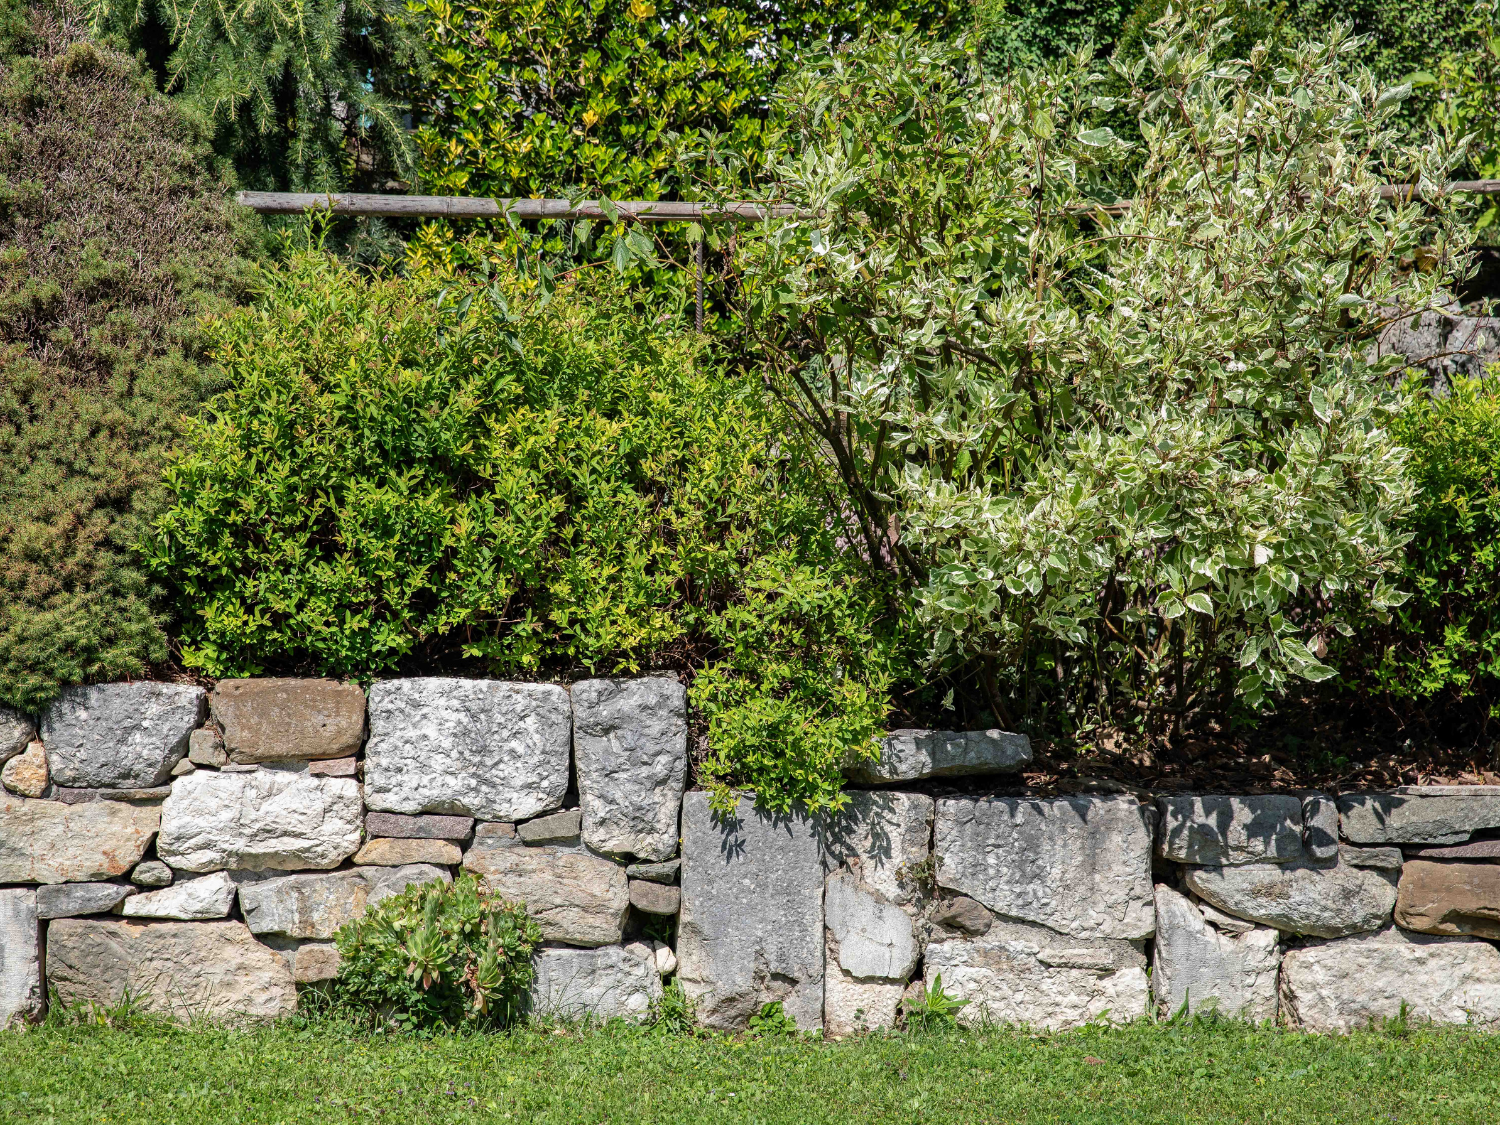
[438, 955]
[116, 239]
[437, 472]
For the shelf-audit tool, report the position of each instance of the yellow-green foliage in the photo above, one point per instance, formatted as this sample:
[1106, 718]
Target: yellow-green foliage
[440, 470]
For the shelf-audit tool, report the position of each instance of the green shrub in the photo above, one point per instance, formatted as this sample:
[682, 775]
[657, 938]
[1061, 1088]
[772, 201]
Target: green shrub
[439, 955]
[115, 240]
[452, 470]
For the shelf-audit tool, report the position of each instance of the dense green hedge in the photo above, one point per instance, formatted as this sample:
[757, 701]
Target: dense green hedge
[413, 471]
[115, 240]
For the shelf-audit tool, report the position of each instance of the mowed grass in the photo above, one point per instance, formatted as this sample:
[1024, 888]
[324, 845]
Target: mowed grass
[1176, 1072]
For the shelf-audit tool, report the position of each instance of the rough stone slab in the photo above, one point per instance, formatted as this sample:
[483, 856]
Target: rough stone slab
[851, 1005]
[1230, 830]
[751, 927]
[266, 820]
[963, 915]
[1315, 900]
[665, 872]
[152, 873]
[1342, 986]
[910, 755]
[654, 898]
[1449, 898]
[1224, 923]
[1024, 974]
[155, 793]
[612, 982]
[315, 906]
[399, 826]
[315, 961]
[69, 900]
[885, 838]
[630, 748]
[1233, 974]
[50, 842]
[1381, 859]
[334, 767]
[874, 936]
[26, 774]
[1080, 865]
[479, 748]
[273, 719]
[192, 900]
[493, 831]
[16, 730]
[183, 767]
[399, 852]
[1474, 849]
[120, 736]
[575, 898]
[184, 970]
[206, 749]
[560, 828]
[1320, 827]
[1427, 814]
[21, 992]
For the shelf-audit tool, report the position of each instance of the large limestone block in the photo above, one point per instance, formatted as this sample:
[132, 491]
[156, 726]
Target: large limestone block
[630, 746]
[275, 719]
[120, 736]
[611, 982]
[481, 748]
[909, 755]
[1023, 974]
[315, 906]
[190, 900]
[575, 898]
[852, 1005]
[262, 820]
[874, 936]
[1315, 900]
[1426, 814]
[21, 993]
[1230, 830]
[1081, 865]
[751, 927]
[1194, 963]
[885, 838]
[50, 842]
[1449, 898]
[16, 730]
[1340, 986]
[184, 970]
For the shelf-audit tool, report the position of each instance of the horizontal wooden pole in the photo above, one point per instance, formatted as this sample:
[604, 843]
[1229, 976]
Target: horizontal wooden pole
[467, 207]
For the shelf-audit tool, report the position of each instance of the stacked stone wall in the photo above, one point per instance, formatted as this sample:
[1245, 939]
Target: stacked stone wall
[199, 850]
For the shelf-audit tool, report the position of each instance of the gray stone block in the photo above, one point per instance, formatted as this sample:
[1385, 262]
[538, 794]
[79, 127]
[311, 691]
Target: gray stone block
[478, 748]
[1317, 900]
[1381, 859]
[183, 970]
[1336, 987]
[189, 900]
[910, 755]
[1231, 973]
[16, 730]
[963, 915]
[272, 719]
[1080, 865]
[69, 900]
[852, 1005]
[664, 872]
[886, 839]
[267, 820]
[120, 736]
[630, 748]
[1025, 974]
[611, 982]
[1429, 814]
[50, 842]
[873, 936]
[315, 906]
[1230, 830]
[654, 898]
[22, 995]
[206, 749]
[152, 873]
[575, 898]
[419, 827]
[560, 828]
[1320, 827]
[751, 927]
[1474, 849]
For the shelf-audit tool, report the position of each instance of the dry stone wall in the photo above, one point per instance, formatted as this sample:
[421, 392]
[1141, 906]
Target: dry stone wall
[200, 850]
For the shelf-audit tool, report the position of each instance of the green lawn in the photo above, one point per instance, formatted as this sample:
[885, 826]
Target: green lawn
[1201, 1072]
